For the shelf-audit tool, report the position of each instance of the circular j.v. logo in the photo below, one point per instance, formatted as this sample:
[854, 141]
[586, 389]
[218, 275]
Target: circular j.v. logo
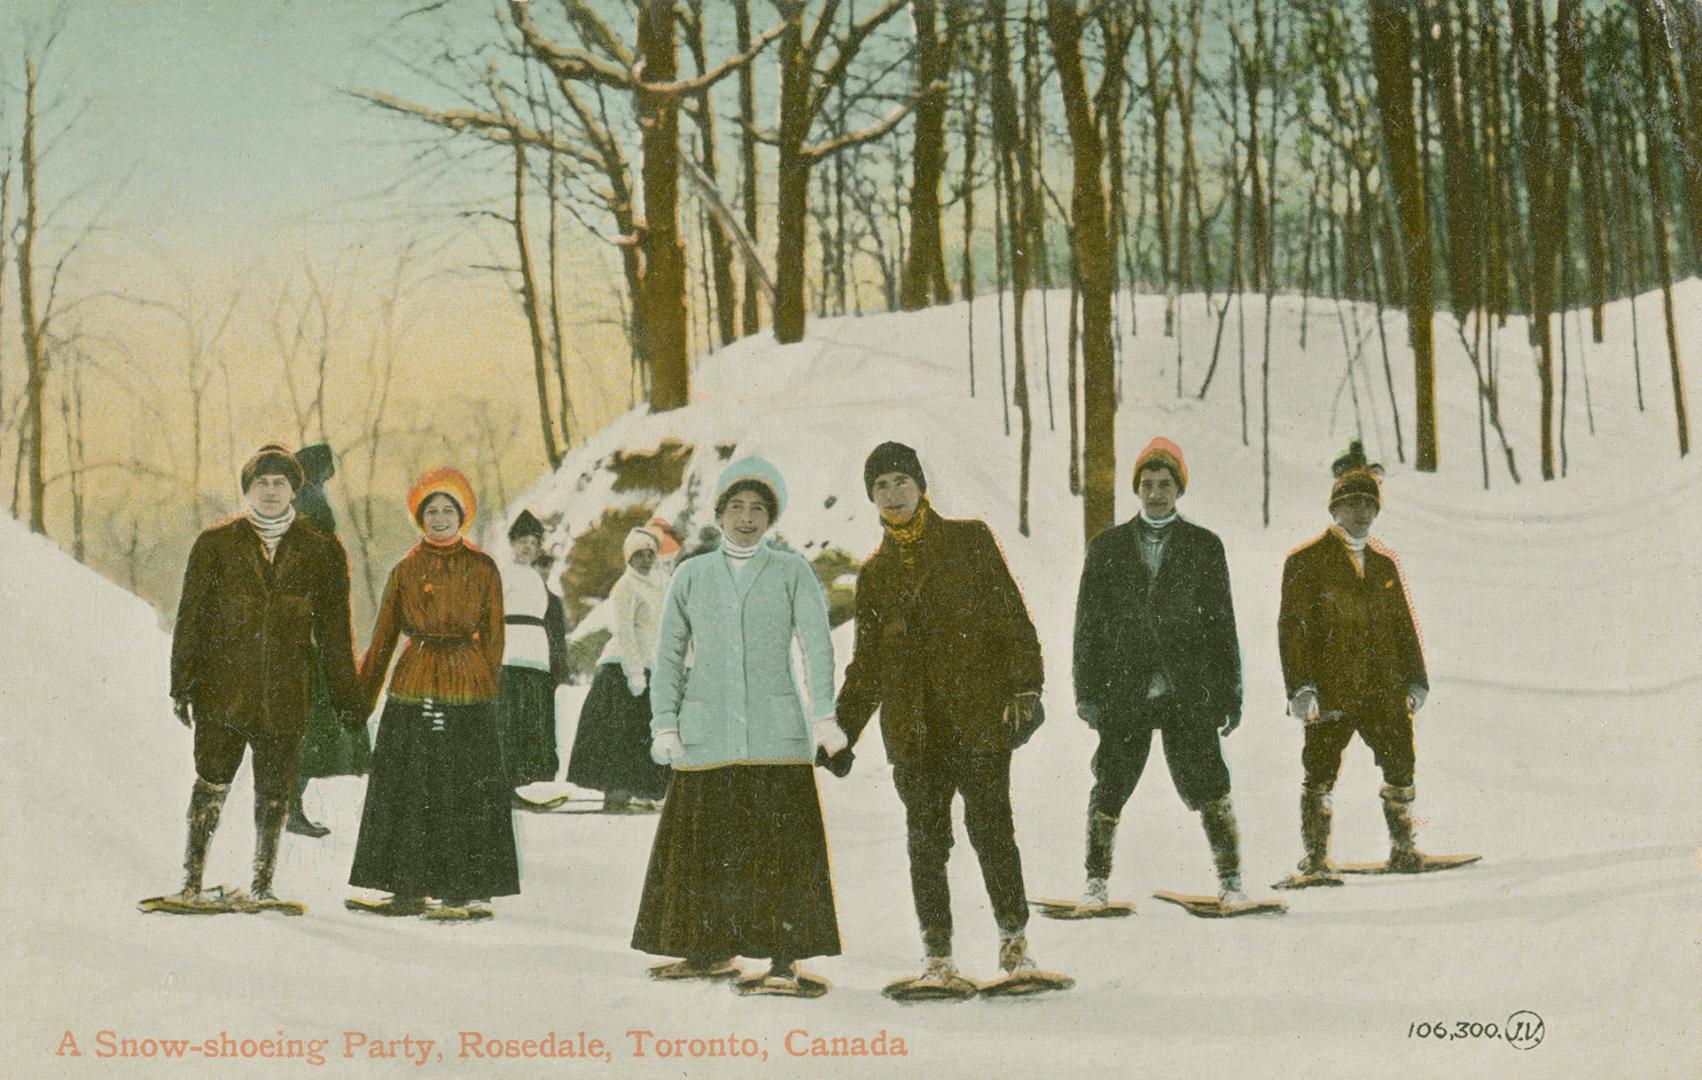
[1524, 1030]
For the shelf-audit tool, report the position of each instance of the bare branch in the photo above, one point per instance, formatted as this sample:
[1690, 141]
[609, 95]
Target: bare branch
[873, 131]
[703, 82]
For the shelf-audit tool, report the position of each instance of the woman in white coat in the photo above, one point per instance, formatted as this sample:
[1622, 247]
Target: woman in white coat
[610, 747]
[739, 866]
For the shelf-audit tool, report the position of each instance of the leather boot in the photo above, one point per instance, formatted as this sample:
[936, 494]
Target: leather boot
[1218, 817]
[269, 817]
[299, 823]
[1315, 816]
[1101, 840]
[205, 802]
[1404, 856]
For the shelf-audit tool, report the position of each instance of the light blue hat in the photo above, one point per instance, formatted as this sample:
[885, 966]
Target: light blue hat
[758, 469]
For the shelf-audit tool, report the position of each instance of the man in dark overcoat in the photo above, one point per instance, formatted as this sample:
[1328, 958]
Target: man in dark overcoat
[1352, 662]
[945, 648]
[1156, 651]
[261, 590]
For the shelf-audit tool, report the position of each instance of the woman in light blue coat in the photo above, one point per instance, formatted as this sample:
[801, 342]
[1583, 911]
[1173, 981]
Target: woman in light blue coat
[740, 866]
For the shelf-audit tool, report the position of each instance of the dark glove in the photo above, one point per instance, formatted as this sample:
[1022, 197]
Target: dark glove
[180, 708]
[1023, 717]
[353, 719]
[1230, 723]
[1090, 714]
[838, 764]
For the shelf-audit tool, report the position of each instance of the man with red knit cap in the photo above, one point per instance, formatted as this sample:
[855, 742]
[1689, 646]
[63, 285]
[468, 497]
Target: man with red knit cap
[1156, 651]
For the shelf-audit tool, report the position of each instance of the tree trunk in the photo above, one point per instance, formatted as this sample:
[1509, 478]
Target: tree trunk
[1093, 249]
[720, 247]
[1391, 51]
[971, 133]
[747, 157]
[529, 304]
[1009, 149]
[1160, 163]
[664, 251]
[1531, 78]
[1650, 40]
[34, 347]
[923, 267]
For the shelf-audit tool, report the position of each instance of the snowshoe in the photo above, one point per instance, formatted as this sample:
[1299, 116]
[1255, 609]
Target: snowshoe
[1309, 879]
[1082, 909]
[698, 969]
[784, 981]
[550, 803]
[219, 900]
[458, 911]
[940, 981]
[254, 903]
[1022, 975]
[1215, 907]
[1416, 863]
[394, 906]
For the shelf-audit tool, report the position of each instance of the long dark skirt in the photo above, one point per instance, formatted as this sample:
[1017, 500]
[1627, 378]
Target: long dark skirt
[438, 820]
[611, 747]
[528, 716]
[739, 868]
[329, 748]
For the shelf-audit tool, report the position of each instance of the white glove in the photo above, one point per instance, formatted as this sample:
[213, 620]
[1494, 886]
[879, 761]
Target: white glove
[1304, 705]
[666, 748]
[1415, 697]
[829, 736]
[637, 684]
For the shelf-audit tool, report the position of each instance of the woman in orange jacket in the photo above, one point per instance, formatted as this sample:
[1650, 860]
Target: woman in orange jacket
[437, 821]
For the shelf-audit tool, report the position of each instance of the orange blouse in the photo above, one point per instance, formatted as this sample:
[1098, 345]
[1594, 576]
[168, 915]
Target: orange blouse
[448, 600]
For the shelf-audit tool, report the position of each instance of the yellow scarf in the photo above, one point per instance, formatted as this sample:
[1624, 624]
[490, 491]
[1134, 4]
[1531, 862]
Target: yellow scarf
[910, 532]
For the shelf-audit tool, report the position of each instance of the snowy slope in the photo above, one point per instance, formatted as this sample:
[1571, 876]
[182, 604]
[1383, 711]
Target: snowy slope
[1560, 623]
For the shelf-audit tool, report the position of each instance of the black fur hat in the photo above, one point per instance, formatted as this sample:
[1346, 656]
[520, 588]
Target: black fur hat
[892, 457]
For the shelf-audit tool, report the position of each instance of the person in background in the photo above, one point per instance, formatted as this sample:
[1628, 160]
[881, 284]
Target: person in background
[611, 745]
[437, 821]
[330, 747]
[739, 866]
[265, 597]
[534, 659]
[1353, 663]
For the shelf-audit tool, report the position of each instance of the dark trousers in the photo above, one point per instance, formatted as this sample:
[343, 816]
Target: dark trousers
[1192, 749]
[219, 750]
[926, 785]
[1388, 732]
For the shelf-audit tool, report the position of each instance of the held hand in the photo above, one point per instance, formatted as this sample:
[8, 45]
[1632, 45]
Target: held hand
[838, 764]
[353, 719]
[1230, 723]
[638, 684]
[666, 748]
[829, 736]
[1415, 698]
[180, 709]
[1304, 706]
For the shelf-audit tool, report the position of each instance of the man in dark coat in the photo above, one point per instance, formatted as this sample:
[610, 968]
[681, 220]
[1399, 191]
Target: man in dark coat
[946, 650]
[329, 748]
[1156, 651]
[1352, 662]
[260, 592]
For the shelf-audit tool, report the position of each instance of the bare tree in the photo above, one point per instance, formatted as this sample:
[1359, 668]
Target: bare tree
[1093, 254]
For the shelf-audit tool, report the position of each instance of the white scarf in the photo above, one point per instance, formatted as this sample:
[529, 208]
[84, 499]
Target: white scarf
[739, 555]
[271, 530]
[1159, 523]
[1355, 548]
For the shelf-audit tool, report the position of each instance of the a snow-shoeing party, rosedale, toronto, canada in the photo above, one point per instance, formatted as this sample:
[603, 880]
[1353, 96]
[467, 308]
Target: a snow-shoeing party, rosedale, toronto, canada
[812, 538]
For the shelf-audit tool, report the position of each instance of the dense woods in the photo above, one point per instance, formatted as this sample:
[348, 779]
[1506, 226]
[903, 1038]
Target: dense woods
[1461, 162]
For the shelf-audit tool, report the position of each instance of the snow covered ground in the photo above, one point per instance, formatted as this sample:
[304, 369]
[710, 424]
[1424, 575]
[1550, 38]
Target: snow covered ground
[1561, 625]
